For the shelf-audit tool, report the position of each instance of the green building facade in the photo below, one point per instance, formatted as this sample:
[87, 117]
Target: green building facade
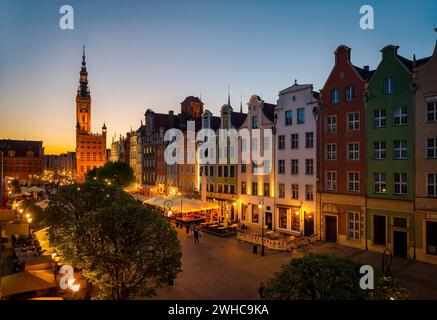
[390, 155]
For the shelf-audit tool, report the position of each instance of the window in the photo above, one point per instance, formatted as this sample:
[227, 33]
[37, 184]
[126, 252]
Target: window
[243, 145]
[335, 96]
[379, 118]
[431, 111]
[254, 122]
[353, 225]
[301, 116]
[389, 85]
[309, 166]
[255, 188]
[231, 173]
[309, 196]
[243, 187]
[331, 124]
[353, 181]
[295, 191]
[379, 182]
[282, 218]
[294, 141]
[220, 171]
[331, 151]
[281, 166]
[432, 185]
[431, 237]
[225, 188]
[309, 140]
[243, 168]
[379, 150]
[353, 121]
[431, 148]
[331, 180]
[399, 116]
[400, 149]
[288, 118]
[353, 151]
[266, 190]
[281, 142]
[254, 144]
[294, 166]
[266, 167]
[295, 221]
[231, 189]
[255, 213]
[267, 143]
[350, 93]
[400, 183]
[281, 188]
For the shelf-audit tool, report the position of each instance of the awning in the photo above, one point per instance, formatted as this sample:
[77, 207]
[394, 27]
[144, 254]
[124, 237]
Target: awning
[180, 204]
[27, 281]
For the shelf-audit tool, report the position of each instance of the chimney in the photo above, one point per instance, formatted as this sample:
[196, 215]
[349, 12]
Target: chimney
[171, 118]
[366, 68]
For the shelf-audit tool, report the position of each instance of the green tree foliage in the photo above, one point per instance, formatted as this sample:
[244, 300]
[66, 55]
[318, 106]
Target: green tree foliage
[15, 186]
[71, 204]
[128, 251]
[119, 173]
[125, 249]
[327, 277]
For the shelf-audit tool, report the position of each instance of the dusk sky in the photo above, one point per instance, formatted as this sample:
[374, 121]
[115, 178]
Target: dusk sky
[152, 54]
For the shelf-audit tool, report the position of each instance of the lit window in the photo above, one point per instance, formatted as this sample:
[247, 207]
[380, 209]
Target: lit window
[379, 182]
[353, 225]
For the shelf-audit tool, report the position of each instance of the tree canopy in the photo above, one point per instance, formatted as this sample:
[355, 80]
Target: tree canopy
[119, 173]
[125, 249]
[327, 277]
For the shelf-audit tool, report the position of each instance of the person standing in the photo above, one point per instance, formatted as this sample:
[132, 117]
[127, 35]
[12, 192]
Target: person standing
[196, 235]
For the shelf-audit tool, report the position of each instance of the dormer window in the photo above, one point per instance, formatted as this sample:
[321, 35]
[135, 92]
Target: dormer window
[11, 153]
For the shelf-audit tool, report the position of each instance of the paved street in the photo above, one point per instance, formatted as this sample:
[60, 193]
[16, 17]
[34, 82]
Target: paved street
[226, 269]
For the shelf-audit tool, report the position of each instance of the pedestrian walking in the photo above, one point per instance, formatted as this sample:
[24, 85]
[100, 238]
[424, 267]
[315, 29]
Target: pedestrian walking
[261, 290]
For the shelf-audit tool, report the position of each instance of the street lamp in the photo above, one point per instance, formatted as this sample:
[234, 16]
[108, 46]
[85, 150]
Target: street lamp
[260, 206]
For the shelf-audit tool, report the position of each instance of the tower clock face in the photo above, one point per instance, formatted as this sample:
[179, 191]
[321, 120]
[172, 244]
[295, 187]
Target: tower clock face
[83, 107]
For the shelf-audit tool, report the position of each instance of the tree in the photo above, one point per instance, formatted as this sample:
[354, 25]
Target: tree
[128, 251]
[324, 277]
[124, 248]
[71, 204]
[15, 187]
[119, 173]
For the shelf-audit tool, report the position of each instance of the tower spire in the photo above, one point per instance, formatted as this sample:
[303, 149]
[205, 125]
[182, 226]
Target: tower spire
[83, 90]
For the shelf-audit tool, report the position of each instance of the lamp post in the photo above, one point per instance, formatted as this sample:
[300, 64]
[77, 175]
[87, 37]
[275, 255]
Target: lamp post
[260, 206]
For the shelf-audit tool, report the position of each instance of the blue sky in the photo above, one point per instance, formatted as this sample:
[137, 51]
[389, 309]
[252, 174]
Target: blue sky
[145, 54]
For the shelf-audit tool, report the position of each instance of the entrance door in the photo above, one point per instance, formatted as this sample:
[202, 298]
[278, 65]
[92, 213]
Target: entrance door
[269, 220]
[400, 244]
[331, 229]
[379, 230]
[308, 227]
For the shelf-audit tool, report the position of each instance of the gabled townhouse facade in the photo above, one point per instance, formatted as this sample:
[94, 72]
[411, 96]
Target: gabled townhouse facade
[296, 157]
[391, 156]
[425, 78]
[341, 191]
[256, 187]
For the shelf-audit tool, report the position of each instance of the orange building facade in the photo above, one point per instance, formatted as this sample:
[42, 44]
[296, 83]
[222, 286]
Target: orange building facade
[90, 147]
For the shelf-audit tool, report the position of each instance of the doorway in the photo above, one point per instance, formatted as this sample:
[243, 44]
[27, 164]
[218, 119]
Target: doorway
[269, 220]
[308, 225]
[331, 229]
[379, 230]
[400, 244]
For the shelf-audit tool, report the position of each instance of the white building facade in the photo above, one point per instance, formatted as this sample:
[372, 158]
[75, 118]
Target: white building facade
[256, 191]
[295, 156]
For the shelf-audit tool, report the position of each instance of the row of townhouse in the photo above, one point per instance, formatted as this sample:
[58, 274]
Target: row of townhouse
[355, 163]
